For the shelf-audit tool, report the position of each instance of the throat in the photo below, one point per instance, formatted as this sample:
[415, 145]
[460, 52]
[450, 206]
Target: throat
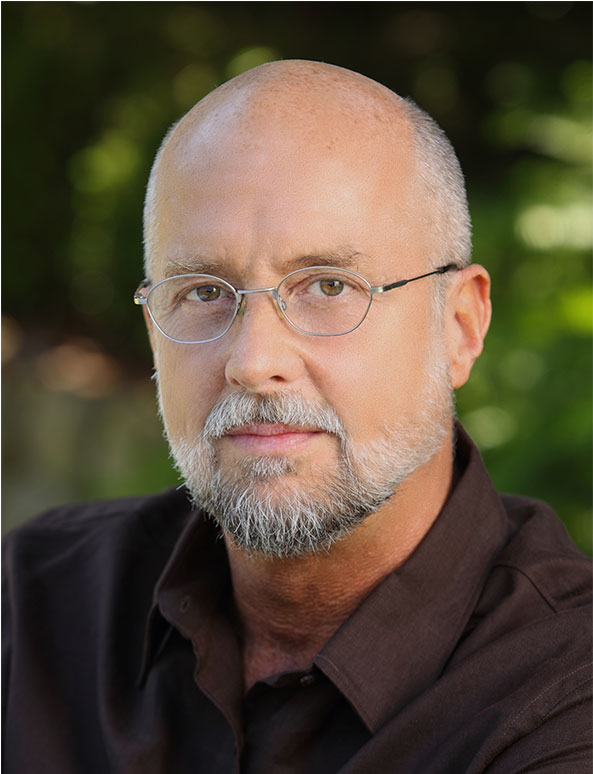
[285, 635]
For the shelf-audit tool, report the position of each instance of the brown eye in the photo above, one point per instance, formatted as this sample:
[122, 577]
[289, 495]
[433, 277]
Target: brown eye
[208, 292]
[331, 287]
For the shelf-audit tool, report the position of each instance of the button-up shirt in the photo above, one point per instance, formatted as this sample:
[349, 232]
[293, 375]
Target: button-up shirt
[122, 650]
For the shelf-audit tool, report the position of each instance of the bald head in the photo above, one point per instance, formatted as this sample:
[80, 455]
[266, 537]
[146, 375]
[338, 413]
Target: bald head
[296, 96]
[311, 111]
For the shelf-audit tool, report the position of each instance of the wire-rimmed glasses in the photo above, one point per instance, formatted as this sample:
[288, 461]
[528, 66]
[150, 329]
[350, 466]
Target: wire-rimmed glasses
[316, 300]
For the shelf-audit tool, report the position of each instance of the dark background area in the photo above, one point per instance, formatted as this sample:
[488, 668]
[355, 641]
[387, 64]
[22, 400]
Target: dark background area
[89, 89]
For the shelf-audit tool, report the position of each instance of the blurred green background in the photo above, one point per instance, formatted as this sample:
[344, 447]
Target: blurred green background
[90, 89]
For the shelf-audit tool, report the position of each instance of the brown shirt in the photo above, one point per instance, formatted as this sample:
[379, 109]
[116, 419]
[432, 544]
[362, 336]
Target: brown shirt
[121, 652]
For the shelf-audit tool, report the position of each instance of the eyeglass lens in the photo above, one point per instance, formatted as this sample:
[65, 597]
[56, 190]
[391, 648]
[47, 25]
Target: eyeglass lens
[320, 301]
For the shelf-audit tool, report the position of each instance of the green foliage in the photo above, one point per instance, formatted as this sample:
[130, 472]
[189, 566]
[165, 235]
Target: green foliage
[89, 91]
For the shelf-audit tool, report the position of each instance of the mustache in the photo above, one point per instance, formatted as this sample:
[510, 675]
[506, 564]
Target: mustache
[290, 408]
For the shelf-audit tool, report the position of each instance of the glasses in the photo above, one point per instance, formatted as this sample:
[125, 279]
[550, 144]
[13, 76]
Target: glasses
[317, 300]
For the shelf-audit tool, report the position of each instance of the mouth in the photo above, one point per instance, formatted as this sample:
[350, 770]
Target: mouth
[270, 438]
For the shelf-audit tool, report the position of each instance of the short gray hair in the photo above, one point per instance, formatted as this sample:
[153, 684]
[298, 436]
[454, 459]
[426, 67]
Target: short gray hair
[441, 175]
[442, 178]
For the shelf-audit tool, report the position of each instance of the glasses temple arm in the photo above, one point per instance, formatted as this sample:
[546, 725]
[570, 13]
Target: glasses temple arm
[401, 283]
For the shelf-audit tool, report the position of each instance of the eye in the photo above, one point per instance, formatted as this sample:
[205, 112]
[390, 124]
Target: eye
[320, 285]
[207, 293]
[330, 287]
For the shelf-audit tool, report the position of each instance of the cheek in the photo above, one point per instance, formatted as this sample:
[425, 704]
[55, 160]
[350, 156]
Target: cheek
[377, 374]
[356, 378]
[190, 383]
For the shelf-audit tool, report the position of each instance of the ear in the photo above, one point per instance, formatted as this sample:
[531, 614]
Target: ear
[468, 315]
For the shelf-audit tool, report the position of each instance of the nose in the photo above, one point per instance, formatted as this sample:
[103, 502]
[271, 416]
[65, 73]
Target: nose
[263, 352]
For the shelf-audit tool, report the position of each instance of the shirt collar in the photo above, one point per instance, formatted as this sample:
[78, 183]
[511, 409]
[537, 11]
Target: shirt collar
[398, 641]
[197, 565]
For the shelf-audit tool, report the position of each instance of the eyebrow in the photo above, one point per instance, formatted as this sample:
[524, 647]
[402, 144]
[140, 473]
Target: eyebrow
[192, 266]
[340, 258]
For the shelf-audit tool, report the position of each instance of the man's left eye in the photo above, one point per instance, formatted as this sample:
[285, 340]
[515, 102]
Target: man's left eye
[329, 287]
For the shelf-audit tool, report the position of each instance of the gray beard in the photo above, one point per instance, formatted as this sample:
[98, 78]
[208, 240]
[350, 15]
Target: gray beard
[278, 506]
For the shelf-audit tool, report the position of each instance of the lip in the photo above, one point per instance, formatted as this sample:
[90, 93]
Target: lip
[271, 437]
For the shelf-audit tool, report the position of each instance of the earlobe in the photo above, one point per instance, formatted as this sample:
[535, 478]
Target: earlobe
[468, 318]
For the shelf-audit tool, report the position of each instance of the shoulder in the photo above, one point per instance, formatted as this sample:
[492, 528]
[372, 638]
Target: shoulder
[84, 521]
[531, 633]
[88, 570]
[77, 541]
[77, 588]
[540, 550]
[537, 582]
[524, 658]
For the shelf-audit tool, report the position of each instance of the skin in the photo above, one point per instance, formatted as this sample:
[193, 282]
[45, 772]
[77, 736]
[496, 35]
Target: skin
[289, 163]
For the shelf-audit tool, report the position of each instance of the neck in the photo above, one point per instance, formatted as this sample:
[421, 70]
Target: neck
[288, 608]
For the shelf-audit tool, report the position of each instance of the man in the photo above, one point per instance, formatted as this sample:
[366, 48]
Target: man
[373, 604]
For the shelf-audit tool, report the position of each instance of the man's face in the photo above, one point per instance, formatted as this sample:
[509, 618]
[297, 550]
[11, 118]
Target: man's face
[253, 206]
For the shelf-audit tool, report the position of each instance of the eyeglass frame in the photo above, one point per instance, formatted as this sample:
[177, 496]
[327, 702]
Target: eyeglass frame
[279, 303]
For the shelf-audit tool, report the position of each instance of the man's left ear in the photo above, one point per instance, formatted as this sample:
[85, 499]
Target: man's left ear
[468, 313]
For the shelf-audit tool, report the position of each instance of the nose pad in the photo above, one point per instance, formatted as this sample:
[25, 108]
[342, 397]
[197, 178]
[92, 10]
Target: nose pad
[280, 305]
[241, 309]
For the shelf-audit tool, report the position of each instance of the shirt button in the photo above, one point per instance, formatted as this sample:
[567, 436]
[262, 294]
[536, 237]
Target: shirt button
[185, 604]
[307, 680]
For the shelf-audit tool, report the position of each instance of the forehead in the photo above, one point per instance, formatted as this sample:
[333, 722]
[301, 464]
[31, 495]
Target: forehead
[258, 190]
